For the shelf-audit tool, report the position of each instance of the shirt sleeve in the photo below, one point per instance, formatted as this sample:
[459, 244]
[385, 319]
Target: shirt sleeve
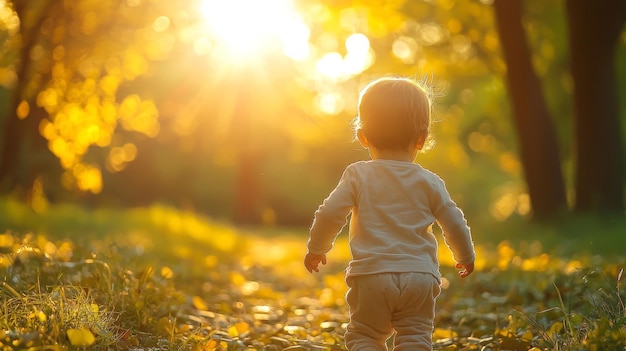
[456, 232]
[331, 215]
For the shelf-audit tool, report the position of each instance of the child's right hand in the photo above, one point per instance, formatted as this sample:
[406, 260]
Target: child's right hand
[467, 269]
[312, 261]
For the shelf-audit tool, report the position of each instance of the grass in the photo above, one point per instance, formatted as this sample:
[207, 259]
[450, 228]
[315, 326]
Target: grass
[161, 279]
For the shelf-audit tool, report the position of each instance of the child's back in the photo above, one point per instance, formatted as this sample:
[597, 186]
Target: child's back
[393, 276]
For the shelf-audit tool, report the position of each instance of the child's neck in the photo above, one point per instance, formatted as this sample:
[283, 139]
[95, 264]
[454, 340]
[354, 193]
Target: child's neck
[392, 154]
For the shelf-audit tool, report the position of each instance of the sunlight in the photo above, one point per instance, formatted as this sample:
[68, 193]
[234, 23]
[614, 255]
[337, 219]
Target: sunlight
[10, 24]
[405, 48]
[245, 27]
[358, 58]
[330, 65]
[9, 19]
[330, 103]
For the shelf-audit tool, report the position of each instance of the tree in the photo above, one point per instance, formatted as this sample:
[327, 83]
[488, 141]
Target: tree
[78, 105]
[91, 54]
[537, 140]
[72, 57]
[594, 31]
[23, 149]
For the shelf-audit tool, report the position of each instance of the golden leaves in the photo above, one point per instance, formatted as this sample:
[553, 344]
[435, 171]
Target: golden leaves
[80, 119]
[23, 109]
[139, 115]
[91, 56]
[239, 329]
[199, 303]
[167, 273]
[120, 156]
[81, 337]
[441, 333]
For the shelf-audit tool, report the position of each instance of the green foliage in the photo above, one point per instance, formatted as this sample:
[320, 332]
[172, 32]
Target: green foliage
[216, 113]
[138, 102]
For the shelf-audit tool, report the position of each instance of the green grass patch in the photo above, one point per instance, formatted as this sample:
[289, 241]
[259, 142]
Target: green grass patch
[161, 279]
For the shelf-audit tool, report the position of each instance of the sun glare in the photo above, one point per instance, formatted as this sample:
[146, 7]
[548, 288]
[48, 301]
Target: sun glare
[241, 31]
[246, 27]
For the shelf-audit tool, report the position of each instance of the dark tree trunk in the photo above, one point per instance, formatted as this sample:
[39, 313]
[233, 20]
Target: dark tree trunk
[22, 148]
[594, 30]
[537, 140]
[12, 134]
[247, 182]
[24, 151]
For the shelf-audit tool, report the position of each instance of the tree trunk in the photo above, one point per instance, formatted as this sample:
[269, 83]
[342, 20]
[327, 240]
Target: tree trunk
[595, 27]
[537, 140]
[247, 182]
[23, 151]
[22, 148]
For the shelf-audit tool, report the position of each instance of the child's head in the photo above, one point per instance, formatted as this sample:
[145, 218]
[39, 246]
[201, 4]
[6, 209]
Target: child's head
[394, 114]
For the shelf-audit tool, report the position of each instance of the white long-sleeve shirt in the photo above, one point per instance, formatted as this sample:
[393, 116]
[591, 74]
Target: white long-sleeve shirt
[393, 206]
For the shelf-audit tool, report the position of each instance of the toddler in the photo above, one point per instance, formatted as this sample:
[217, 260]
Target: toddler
[393, 277]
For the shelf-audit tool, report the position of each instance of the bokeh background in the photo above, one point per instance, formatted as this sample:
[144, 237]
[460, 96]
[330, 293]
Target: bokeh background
[241, 110]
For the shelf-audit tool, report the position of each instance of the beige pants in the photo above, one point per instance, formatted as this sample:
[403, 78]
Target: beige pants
[382, 303]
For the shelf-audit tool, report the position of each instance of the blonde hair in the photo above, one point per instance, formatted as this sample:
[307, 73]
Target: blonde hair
[394, 113]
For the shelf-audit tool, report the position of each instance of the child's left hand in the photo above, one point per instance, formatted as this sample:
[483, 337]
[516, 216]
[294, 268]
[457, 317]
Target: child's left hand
[312, 261]
[465, 269]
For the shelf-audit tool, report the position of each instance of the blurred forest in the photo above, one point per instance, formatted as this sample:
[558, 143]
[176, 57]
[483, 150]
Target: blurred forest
[242, 110]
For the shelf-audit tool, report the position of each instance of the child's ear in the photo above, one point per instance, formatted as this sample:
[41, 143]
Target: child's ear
[362, 138]
[421, 140]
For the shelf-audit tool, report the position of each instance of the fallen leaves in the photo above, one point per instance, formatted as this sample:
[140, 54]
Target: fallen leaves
[80, 337]
[535, 302]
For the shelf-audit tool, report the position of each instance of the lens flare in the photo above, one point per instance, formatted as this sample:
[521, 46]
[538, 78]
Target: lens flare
[246, 27]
